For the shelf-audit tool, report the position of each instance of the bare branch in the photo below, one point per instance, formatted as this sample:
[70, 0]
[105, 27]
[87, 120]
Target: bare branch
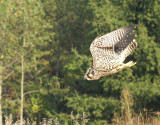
[29, 92]
[8, 75]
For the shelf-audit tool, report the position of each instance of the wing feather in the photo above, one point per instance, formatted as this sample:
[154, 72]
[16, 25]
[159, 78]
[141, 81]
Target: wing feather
[110, 39]
[103, 47]
[102, 57]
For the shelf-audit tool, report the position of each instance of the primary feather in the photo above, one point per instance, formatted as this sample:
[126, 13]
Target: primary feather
[109, 51]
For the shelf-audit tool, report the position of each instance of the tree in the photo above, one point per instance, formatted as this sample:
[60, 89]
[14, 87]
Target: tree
[27, 37]
[44, 45]
[6, 59]
[33, 38]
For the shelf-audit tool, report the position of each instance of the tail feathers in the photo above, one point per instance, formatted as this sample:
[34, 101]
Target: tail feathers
[130, 48]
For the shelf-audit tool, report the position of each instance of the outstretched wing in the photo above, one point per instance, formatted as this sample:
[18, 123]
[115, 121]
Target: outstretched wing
[114, 37]
[103, 58]
[103, 48]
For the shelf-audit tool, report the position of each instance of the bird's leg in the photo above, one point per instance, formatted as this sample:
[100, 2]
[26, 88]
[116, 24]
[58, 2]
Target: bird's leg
[129, 64]
[119, 68]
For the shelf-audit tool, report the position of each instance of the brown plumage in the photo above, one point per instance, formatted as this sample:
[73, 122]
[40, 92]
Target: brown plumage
[109, 52]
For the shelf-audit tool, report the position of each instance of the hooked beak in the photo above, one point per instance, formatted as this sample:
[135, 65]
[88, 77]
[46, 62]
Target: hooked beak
[85, 77]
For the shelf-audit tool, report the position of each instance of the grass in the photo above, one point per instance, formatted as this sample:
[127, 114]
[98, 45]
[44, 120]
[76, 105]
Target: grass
[75, 120]
[127, 116]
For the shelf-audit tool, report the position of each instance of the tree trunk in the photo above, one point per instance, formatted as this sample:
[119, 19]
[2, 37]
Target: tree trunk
[22, 83]
[22, 64]
[22, 80]
[0, 92]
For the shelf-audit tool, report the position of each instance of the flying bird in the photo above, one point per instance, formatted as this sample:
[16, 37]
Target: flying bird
[109, 52]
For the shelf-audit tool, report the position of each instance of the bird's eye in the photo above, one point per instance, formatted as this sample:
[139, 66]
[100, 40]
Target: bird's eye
[93, 72]
[89, 76]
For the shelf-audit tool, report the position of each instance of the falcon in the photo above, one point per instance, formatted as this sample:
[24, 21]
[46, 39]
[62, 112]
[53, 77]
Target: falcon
[109, 52]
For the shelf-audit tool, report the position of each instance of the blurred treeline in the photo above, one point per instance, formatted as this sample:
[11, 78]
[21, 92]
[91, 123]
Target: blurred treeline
[48, 41]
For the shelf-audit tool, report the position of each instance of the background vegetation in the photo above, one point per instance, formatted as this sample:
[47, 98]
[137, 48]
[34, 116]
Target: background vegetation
[44, 51]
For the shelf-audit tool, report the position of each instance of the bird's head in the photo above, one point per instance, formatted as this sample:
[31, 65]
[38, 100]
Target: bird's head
[91, 74]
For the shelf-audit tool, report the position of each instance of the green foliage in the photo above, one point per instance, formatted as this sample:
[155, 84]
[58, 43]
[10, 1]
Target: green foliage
[76, 66]
[95, 107]
[56, 53]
